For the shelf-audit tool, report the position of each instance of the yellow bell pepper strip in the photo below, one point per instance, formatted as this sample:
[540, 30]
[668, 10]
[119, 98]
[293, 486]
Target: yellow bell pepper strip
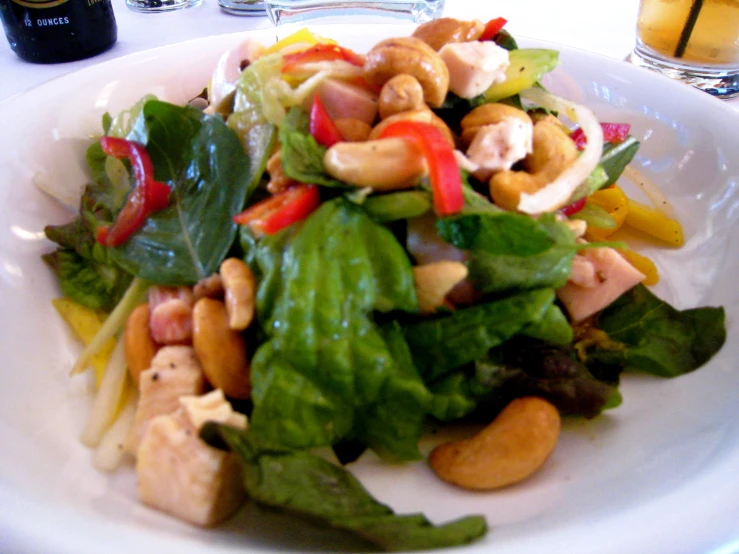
[321, 126]
[643, 264]
[85, 323]
[492, 28]
[654, 223]
[147, 196]
[446, 182]
[281, 210]
[614, 201]
[303, 36]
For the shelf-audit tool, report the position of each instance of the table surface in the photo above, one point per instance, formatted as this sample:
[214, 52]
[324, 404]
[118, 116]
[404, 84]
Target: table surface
[604, 28]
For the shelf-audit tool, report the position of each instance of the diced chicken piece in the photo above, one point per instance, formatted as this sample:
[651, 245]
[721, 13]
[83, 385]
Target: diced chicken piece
[474, 66]
[174, 372]
[614, 276]
[343, 100]
[180, 474]
[498, 146]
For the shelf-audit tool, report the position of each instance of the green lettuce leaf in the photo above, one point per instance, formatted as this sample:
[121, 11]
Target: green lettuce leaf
[328, 495]
[326, 372]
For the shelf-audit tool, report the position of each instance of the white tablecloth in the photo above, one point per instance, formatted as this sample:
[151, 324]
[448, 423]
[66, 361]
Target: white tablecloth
[605, 28]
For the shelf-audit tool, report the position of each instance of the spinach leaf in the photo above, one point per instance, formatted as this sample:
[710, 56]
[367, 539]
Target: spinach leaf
[326, 372]
[302, 156]
[445, 343]
[500, 233]
[329, 495]
[498, 273]
[656, 338]
[211, 177]
[616, 157]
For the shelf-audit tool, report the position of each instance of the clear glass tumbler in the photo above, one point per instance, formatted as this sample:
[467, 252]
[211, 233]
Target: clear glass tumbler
[695, 41]
[243, 7]
[156, 6]
[293, 11]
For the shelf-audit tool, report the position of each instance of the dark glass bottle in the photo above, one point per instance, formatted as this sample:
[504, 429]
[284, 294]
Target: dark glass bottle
[52, 31]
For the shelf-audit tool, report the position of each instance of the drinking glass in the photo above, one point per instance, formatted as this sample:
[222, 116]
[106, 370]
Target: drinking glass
[293, 11]
[243, 7]
[695, 41]
[156, 6]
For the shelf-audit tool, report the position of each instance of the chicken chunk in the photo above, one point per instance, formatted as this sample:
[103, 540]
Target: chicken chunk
[498, 146]
[174, 372]
[474, 66]
[611, 275]
[180, 474]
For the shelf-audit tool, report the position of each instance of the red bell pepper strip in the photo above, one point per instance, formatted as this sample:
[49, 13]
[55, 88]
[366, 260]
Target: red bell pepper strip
[281, 210]
[492, 28]
[321, 126]
[320, 53]
[147, 196]
[446, 181]
[612, 132]
[573, 208]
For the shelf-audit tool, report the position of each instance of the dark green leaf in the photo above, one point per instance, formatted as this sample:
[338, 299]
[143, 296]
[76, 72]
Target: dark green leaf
[326, 494]
[656, 338]
[445, 343]
[616, 157]
[211, 177]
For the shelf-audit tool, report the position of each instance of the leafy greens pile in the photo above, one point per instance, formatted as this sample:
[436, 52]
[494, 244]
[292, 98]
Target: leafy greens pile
[341, 357]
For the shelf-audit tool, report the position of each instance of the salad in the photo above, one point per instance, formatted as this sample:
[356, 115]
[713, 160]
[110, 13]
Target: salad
[332, 252]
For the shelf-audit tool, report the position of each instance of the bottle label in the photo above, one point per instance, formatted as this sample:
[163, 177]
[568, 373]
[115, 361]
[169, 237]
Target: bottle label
[42, 4]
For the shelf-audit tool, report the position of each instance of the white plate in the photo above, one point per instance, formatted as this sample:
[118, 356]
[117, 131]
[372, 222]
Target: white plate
[659, 474]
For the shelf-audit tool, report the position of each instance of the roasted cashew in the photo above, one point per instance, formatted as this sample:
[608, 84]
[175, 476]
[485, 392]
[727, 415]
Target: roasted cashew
[353, 130]
[278, 181]
[383, 164]
[441, 31]
[488, 114]
[400, 94]
[412, 56]
[554, 151]
[434, 281]
[240, 287]
[424, 115]
[220, 350]
[508, 450]
[138, 344]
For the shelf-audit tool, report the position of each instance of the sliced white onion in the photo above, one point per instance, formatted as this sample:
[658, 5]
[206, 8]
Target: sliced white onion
[658, 198]
[108, 398]
[112, 448]
[554, 195]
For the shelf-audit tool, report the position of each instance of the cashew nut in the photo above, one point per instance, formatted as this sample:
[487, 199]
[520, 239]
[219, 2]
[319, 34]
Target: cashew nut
[383, 164]
[210, 287]
[278, 181]
[435, 280]
[220, 349]
[510, 449]
[353, 130]
[410, 55]
[441, 31]
[240, 287]
[138, 344]
[401, 93]
[554, 151]
[423, 115]
[488, 114]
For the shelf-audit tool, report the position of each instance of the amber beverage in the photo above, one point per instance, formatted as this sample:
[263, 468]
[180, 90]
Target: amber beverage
[710, 36]
[696, 41]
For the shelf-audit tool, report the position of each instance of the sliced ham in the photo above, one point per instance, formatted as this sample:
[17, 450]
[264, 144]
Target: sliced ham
[610, 276]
